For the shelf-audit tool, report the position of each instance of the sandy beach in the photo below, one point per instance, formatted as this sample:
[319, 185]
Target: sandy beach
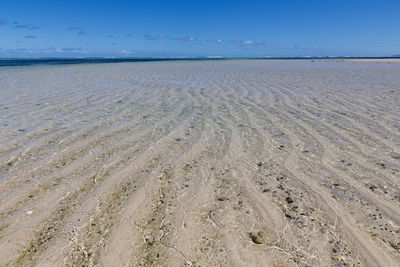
[375, 60]
[200, 163]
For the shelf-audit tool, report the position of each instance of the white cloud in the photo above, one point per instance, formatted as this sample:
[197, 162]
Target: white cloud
[156, 37]
[125, 52]
[185, 38]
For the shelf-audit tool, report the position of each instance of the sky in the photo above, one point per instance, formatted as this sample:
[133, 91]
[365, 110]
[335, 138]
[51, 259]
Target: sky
[193, 28]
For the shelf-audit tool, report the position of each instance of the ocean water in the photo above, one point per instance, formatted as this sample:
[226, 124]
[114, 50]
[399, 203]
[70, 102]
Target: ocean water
[61, 61]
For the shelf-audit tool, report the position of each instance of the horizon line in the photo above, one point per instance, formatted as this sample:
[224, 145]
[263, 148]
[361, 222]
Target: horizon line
[203, 57]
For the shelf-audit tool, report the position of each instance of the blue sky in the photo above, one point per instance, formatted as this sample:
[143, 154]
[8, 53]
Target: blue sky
[122, 28]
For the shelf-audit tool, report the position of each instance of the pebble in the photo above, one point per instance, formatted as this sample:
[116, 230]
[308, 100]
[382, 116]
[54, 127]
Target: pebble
[257, 238]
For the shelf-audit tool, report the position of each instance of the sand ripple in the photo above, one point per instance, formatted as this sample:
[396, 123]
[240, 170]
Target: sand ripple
[211, 163]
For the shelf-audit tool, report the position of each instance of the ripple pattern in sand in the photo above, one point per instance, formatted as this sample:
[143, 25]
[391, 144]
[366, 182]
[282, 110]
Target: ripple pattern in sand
[210, 163]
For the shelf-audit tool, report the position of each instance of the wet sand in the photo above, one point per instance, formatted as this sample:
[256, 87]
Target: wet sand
[375, 60]
[211, 163]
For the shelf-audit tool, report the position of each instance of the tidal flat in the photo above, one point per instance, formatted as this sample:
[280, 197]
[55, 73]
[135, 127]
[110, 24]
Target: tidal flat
[200, 163]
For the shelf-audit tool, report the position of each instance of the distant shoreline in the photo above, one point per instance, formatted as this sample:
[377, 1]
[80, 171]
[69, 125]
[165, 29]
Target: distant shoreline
[375, 60]
[7, 62]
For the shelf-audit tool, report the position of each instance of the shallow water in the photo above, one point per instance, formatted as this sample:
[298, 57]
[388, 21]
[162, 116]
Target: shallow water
[173, 163]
